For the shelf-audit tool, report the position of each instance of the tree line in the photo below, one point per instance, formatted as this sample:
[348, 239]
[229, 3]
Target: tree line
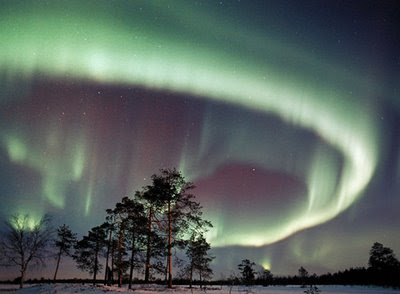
[142, 233]
[383, 270]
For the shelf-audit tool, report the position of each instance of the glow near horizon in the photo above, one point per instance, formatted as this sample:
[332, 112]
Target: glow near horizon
[44, 45]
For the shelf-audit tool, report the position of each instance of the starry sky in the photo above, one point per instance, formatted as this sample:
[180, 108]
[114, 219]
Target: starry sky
[285, 115]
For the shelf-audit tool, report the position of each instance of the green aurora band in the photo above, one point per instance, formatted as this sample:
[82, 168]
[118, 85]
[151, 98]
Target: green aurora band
[66, 41]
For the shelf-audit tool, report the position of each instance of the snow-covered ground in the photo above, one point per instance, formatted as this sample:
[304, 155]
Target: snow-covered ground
[156, 289]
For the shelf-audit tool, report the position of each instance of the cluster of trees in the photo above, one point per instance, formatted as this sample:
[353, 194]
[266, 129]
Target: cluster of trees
[383, 269]
[142, 233]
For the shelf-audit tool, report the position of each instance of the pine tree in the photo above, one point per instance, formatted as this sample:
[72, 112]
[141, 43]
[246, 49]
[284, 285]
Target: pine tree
[108, 227]
[120, 262]
[382, 258]
[136, 226]
[113, 256]
[154, 242]
[199, 258]
[128, 223]
[88, 250]
[65, 241]
[303, 273]
[265, 277]
[247, 271]
[180, 211]
[384, 267]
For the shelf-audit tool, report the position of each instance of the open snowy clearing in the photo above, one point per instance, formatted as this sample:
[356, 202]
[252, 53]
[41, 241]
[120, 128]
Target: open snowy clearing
[149, 289]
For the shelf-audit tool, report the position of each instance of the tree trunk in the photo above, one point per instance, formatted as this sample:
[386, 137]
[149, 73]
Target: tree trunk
[191, 274]
[21, 282]
[120, 240]
[106, 275]
[169, 246]
[148, 249]
[112, 263]
[166, 271]
[58, 263]
[94, 278]
[22, 270]
[95, 266]
[132, 260]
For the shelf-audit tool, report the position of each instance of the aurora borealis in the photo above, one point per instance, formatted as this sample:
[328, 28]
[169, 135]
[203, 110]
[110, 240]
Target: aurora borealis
[285, 115]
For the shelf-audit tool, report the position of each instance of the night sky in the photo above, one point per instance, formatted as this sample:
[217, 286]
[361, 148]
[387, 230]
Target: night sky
[285, 115]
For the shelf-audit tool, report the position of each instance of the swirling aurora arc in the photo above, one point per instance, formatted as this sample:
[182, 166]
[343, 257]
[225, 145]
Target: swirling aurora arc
[163, 48]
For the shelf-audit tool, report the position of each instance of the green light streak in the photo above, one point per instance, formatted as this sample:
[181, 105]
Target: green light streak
[88, 48]
[266, 264]
[57, 169]
[17, 150]
[25, 221]
[78, 162]
[88, 201]
[53, 188]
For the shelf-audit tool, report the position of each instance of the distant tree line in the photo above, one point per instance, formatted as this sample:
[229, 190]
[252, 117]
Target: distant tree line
[142, 233]
[383, 270]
